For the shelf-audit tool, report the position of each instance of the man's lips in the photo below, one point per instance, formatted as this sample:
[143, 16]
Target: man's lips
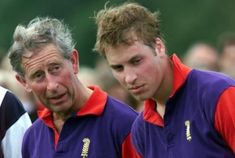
[135, 89]
[57, 98]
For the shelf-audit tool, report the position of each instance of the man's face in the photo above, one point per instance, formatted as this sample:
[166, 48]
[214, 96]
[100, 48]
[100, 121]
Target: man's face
[50, 77]
[138, 67]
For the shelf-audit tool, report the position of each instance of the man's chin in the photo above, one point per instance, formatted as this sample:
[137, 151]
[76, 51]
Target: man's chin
[139, 97]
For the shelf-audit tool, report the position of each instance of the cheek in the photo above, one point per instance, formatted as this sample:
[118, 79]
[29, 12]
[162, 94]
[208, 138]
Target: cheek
[65, 76]
[145, 70]
[148, 71]
[118, 76]
[37, 88]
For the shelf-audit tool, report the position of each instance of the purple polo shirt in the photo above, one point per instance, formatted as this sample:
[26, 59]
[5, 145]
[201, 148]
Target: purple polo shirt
[100, 129]
[192, 125]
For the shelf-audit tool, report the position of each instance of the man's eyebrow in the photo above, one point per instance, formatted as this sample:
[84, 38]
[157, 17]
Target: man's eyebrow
[115, 65]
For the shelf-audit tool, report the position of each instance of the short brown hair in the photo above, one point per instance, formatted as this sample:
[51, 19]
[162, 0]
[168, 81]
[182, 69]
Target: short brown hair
[125, 24]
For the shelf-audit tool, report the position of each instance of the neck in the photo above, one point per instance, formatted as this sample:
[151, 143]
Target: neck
[160, 108]
[59, 121]
[166, 87]
[81, 96]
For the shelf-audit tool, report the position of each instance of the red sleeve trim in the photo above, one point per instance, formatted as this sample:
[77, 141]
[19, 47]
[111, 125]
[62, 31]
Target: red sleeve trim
[128, 150]
[225, 117]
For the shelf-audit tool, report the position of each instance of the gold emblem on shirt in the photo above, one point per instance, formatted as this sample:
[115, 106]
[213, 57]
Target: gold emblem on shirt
[85, 148]
[188, 133]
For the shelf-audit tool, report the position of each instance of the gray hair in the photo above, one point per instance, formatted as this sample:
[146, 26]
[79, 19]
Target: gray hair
[38, 33]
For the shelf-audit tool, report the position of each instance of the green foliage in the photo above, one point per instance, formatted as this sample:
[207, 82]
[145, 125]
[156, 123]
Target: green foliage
[183, 21]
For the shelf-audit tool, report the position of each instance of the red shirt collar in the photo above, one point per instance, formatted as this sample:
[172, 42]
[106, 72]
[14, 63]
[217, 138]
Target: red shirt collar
[180, 73]
[94, 106]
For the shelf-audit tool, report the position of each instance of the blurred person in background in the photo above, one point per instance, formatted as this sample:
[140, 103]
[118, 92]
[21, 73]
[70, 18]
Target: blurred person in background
[14, 121]
[202, 56]
[87, 76]
[76, 120]
[8, 78]
[187, 112]
[227, 53]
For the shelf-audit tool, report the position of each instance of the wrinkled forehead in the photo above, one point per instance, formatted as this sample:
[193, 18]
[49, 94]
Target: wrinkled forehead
[49, 52]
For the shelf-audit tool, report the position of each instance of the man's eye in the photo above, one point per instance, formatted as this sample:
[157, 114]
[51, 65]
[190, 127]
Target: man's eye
[117, 68]
[38, 76]
[136, 61]
[55, 68]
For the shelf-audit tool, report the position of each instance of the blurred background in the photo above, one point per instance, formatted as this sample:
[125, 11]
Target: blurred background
[183, 21]
[188, 27]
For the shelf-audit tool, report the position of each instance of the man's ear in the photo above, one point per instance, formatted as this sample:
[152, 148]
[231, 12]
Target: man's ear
[23, 82]
[75, 61]
[160, 46]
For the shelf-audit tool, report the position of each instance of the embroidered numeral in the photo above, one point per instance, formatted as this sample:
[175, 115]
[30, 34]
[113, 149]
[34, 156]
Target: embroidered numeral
[85, 148]
[188, 133]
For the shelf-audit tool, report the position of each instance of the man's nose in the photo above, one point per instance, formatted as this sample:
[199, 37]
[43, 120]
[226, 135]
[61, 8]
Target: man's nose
[51, 83]
[130, 76]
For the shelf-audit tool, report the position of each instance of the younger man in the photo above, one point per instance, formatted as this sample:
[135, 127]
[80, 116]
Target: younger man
[188, 112]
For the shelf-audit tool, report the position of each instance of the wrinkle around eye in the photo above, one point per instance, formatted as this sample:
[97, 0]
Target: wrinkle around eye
[37, 77]
[55, 68]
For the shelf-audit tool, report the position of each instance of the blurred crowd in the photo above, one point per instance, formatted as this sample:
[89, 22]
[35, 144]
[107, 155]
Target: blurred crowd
[200, 55]
[219, 58]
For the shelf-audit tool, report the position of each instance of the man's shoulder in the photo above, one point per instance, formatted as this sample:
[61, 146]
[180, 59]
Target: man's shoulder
[120, 108]
[211, 76]
[209, 80]
[139, 124]
[37, 127]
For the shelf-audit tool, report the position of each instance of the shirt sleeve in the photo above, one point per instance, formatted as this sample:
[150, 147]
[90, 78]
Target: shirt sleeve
[225, 117]
[14, 122]
[128, 150]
